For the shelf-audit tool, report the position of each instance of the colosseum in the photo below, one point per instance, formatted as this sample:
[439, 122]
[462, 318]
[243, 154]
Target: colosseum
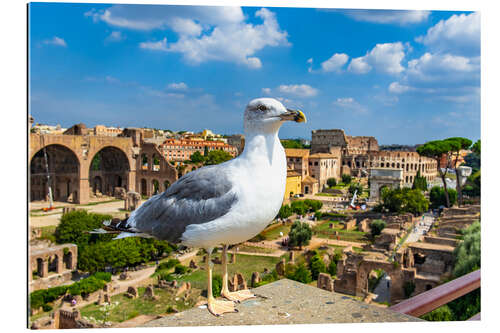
[361, 153]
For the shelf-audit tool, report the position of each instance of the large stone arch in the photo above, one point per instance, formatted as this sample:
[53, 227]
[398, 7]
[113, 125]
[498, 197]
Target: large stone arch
[64, 169]
[395, 273]
[111, 167]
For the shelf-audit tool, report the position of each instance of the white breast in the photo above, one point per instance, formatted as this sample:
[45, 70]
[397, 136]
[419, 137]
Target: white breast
[260, 177]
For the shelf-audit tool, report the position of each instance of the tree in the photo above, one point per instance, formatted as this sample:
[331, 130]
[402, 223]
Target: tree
[299, 273]
[316, 265]
[73, 226]
[285, 212]
[299, 207]
[356, 186]
[476, 147]
[457, 144]
[376, 227]
[205, 151]
[436, 150]
[346, 179]
[217, 157]
[313, 205]
[197, 157]
[468, 252]
[438, 198]
[300, 234]
[419, 182]
[331, 182]
[403, 200]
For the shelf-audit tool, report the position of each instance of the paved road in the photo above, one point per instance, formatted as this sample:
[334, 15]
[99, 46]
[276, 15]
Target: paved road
[382, 290]
[421, 227]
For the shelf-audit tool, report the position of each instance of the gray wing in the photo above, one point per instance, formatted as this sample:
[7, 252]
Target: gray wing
[198, 197]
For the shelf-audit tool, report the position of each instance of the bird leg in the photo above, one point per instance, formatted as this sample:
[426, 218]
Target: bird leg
[235, 296]
[216, 307]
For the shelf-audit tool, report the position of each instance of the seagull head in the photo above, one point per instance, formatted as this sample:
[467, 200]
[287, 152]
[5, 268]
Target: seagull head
[268, 114]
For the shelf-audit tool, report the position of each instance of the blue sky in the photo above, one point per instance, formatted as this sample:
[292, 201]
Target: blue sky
[402, 76]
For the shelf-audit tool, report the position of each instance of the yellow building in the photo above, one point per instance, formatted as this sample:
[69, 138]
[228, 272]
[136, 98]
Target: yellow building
[293, 183]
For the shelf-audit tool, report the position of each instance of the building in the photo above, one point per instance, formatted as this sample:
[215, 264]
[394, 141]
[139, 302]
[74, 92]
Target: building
[358, 154]
[101, 130]
[314, 169]
[323, 166]
[293, 184]
[182, 149]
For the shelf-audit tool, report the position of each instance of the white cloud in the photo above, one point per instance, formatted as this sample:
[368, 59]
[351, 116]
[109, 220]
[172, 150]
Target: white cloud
[443, 67]
[150, 17]
[115, 36]
[300, 90]
[458, 34]
[266, 91]
[204, 33]
[349, 104]
[155, 46]
[398, 88]
[177, 86]
[55, 41]
[385, 58]
[335, 62]
[186, 27]
[401, 17]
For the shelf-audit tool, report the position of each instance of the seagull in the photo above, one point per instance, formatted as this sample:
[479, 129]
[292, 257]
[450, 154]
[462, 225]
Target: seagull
[222, 204]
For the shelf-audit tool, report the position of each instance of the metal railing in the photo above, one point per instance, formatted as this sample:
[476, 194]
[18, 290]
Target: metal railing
[441, 295]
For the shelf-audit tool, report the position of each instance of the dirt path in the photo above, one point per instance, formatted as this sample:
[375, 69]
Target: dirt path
[52, 218]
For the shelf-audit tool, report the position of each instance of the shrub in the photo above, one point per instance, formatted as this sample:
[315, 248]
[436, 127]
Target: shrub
[285, 212]
[167, 264]
[346, 179]
[165, 277]
[299, 207]
[332, 268]
[47, 308]
[317, 265]
[442, 313]
[74, 224]
[376, 227]
[468, 253]
[105, 276]
[299, 273]
[403, 200]
[438, 198]
[409, 288]
[356, 187]
[216, 285]
[313, 205]
[180, 269]
[120, 253]
[331, 182]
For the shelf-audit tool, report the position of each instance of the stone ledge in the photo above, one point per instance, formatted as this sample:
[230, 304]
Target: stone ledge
[288, 302]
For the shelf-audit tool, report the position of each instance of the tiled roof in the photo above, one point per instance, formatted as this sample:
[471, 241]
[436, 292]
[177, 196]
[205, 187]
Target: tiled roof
[296, 152]
[309, 180]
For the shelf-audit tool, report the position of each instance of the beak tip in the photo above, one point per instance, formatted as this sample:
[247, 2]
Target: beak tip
[301, 117]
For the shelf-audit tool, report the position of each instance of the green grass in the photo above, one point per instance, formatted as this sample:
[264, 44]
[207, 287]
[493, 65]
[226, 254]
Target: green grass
[323, 231]
[245, 264]
[129, 308]
[321, 194]
[255, 249]
[274, 232]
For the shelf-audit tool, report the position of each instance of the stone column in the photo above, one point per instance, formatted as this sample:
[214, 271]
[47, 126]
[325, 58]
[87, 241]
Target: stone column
[60, 263]
[45, 268]
[131, 181]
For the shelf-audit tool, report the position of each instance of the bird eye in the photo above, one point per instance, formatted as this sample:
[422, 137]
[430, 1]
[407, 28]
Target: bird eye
[262, 108]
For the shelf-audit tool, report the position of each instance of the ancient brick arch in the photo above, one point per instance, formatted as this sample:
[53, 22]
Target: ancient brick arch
[163, 172]
[85, 147]
[63, 166]
[109, 169]
[396, 274]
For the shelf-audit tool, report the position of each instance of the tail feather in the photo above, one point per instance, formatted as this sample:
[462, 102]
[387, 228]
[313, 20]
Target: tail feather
[120, 227]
